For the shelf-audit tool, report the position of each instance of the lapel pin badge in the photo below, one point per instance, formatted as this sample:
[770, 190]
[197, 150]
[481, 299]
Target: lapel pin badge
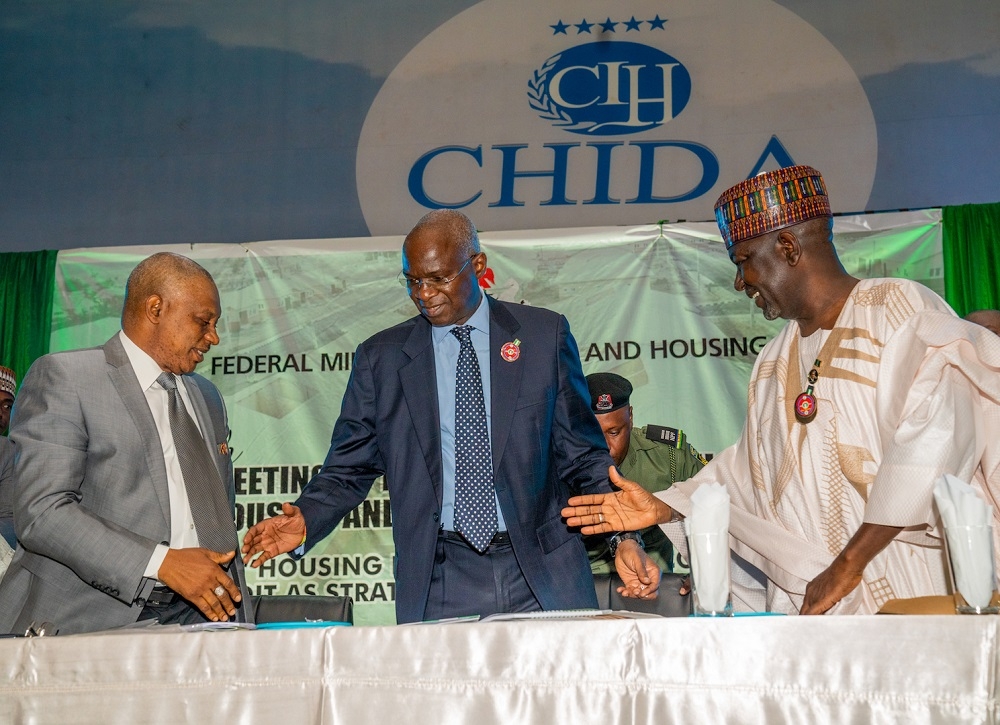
[511, 351]
[224, 449]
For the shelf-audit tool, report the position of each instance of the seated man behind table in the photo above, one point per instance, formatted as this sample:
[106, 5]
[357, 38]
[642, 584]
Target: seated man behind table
[8, 388]
[652, 456]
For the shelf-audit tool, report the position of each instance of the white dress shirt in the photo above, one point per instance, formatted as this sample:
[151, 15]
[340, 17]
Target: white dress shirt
[182, 532]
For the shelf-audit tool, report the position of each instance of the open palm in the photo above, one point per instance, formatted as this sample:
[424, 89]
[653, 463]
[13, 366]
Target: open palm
[632, 508]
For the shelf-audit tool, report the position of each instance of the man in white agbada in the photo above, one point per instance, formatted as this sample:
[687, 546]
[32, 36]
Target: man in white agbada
[872, 390]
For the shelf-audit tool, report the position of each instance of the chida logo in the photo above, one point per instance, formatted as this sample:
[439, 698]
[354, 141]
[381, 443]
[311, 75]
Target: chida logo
[566, 118]
[609, 87]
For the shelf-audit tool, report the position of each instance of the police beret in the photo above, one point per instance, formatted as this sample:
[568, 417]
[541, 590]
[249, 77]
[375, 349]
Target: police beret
[608, 392]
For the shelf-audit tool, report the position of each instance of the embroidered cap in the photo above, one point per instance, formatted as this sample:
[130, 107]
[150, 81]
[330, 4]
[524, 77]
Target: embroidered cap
[608, 392]
[770, 201]
[8, 380]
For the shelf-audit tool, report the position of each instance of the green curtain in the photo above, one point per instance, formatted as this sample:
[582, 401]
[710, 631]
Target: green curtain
[27, 283]
[971, 247]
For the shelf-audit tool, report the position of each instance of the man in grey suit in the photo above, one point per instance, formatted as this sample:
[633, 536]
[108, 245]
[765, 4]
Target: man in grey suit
[112, 517]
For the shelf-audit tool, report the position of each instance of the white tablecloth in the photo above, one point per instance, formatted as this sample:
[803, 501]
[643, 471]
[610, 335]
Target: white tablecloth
[750, 669]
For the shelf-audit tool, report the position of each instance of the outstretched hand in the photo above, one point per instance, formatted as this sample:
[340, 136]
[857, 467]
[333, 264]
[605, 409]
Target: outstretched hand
[632, 508]
[276, 535]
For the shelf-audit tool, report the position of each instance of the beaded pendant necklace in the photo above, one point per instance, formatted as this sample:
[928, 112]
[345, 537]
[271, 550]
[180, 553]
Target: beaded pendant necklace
[805, 404]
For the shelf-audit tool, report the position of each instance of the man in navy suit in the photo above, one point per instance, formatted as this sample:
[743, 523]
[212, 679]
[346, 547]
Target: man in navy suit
[399, 419]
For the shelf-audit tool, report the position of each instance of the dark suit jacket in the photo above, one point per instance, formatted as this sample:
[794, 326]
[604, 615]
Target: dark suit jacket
[91, 501]
[546, 443]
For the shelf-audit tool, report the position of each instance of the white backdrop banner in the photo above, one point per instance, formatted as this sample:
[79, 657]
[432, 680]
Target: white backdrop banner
[653, 303]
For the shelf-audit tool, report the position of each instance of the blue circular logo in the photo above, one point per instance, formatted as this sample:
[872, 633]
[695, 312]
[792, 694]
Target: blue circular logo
[609, 88]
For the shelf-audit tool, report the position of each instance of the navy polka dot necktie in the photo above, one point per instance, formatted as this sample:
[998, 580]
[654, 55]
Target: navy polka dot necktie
[475, 497]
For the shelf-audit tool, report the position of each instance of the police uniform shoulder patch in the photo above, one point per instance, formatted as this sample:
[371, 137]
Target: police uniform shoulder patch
[673, 437]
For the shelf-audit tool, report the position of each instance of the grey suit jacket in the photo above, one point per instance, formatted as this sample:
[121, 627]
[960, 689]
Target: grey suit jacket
[92, 502]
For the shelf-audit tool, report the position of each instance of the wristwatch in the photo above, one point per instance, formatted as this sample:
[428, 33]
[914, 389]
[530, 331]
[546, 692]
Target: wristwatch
[618, 538]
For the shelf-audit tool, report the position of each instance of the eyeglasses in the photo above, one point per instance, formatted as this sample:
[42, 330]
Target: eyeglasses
[411, 283]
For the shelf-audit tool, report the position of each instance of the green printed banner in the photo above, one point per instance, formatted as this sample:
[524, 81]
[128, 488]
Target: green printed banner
[653, 303]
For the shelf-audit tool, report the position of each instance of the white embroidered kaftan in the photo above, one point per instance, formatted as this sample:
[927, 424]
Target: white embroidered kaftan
[906, 391]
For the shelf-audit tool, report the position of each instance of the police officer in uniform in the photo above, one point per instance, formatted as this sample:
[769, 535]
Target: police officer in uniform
[653, 456]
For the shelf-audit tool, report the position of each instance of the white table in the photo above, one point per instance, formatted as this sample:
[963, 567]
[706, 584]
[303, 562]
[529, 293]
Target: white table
[750, 669]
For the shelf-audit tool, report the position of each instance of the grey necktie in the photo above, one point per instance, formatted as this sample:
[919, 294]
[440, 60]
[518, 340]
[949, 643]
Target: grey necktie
[475, 496]
[213, 519]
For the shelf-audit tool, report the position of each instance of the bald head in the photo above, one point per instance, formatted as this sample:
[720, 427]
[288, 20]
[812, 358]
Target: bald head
[160, 274]
[451, 227]
[990, 319]
[442, 263]
[171, 311]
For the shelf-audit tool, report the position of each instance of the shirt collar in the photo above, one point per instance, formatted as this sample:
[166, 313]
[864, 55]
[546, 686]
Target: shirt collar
[146, 369]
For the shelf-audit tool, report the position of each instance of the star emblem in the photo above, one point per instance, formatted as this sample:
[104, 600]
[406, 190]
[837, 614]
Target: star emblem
[632, 24]
[608, 26]
[559, 27]
[656, 23]
[583, 27]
